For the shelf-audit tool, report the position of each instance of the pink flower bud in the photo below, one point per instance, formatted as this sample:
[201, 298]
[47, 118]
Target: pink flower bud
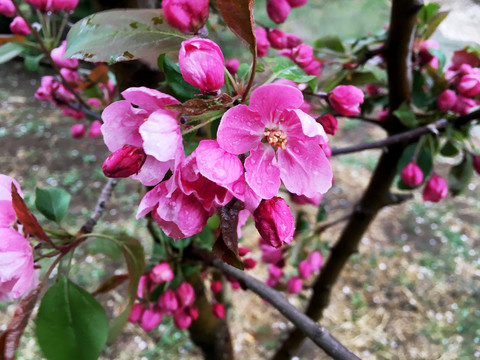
[77, 131]
[19, 27]
[162, 273]
[124, 162]
[233, 283]
[277, 38]
[278, 10]
[193, 312]
[7, 8]
[77, 114]
[262, 41]
[316, 261]
[304, 269]
[185, 294]
[463, 105]
[294, 285]
[57, 57]
[182, 319]
[216, 286]
[64, 5]
[476, 163]
[435, 189]
[372, 90]
[95, 102]
[425, 55]
[232, 65]
[412, 175]
[218, 310]
[329, 123]
[314, 68]
[383, 114]
[272, 282]
[302, 55]
[469, 84]
[95, 129]
[151, 318]
[71, 76]
[242, 250]
[275, 272]
[42, 5]
[346, 99]
[274, 221]
[293, 41]
[136, 313]
[144, 287]
[249, 263]
[297, 3]
[201, 64]
[186, 15]
[167, 302]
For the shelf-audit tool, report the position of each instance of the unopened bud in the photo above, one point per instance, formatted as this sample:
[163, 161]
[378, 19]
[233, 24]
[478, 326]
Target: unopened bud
[124, 162]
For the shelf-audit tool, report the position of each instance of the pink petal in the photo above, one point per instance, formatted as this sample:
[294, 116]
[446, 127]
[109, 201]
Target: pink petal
[161, 136]
[148, 99]
[152, 171]
[262, 172]
[308, 126]
[270, 100]
[6, 187]
[304, 169]
[7, 214]
[120, 125]
[240, 130]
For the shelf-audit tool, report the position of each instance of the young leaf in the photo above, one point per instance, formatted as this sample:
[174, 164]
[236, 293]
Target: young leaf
[449, 149]
[121, 35]
[460, 175]
[330, 42]
[70, 323]
[9, 51]
[285, 68]
[406, 116]
[52, 202]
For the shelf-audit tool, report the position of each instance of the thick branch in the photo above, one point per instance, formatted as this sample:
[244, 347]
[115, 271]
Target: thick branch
[100, 206]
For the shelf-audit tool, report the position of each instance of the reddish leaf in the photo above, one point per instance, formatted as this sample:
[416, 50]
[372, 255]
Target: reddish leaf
[238, 15]
[28, 220]
[111, 283]
[10, 338]
[98, 75]
[12, 38]
[200, 106]
[226, 246]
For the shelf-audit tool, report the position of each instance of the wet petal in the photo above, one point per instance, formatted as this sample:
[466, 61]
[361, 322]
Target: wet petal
[262, 172]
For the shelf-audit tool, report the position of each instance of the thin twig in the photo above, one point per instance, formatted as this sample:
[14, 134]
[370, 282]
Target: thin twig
[100, 207]
[321, 228]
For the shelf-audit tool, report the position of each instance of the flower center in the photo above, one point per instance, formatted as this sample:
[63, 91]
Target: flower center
[276, 138]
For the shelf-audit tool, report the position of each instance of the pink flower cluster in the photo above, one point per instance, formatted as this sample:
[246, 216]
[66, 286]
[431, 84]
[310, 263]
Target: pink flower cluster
[53, 5]
[16, 256]
[436, 187]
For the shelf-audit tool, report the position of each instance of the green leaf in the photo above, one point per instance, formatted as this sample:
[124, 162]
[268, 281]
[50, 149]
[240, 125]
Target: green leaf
[135, 258]
[103, 246]
[424, 162]
[426, 12]
[32, 62]
[460, 175]
[9, 51]
[361, 78]
[70, 323]
[330, 42]
[243, 71]
[180, 244]
[183, 90]
[285, 68]
[449, 149]
[259, 68]
[335, 80]
[406, 116]
[434, 22]
[321, 213]
[122, 35]
[52, 202]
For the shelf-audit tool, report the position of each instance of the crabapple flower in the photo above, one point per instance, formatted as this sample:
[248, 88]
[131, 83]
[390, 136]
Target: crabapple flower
[242, 250]
[77, 131]
[275, 222]
[304, 269]
[435, 189]
[346, 100]
[278, 10]
[283, 142]
[59, 60]
[7, 8]
[463, 105]
[218, 310]
[185, 15]
[149, 126]
[202, 64]
[262, 41]
[446, 100]
[7, 213]
[329, 123]
[294, 285]
[315, 260]
[412, 175]
[19, 26]
[469, 84]
[232, 65]
[124, 162]
[161, 273]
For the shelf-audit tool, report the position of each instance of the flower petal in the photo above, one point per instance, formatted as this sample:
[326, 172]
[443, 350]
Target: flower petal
[304, 168]
[152, 171]
[308, 126]
[262, 172]
[240, 130]
[148, 99]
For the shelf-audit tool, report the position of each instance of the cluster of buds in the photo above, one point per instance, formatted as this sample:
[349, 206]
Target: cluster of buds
[436, 187]
[186, 15]
[278, 10]
[47, 6]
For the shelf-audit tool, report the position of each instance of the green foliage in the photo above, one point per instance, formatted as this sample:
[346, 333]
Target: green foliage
[183, 90]
[70, 324]
[52, 202]
[330, 42]
[9, 51]
[285, 68]
[406, 116]
[460, 175]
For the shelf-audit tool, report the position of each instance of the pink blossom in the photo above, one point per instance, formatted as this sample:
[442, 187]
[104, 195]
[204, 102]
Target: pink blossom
[182, 319]
[315, 260]
[262, 41]
[136, 313]
[294, 285]
[218, 310]
[150, 319]
[202, 64]
[329, 123]
[149, 126]
[64, 5]
[328, 152]
[275, 222]
[145, 286]
[232, 65]
[168, 302]
[185, 294]
[216, 286]
[7, 8]
[469, 84]
[282, 140]
[7, 213]
[71, 76]
[277, 38]
[304, 269]
[124, 162]
[193, 312]
[272, 282]
[19, 27]
[95, 129]
[162, 273]
[77, 131]
[67, 111]
[314, 68]
[186, 15]
[463, 105]
[278, 10]
[16, 264]
[46, 89]
[412, 175]
[303, 200]
[435, 189]
[302, 55]
[346, 100]
[59, 60]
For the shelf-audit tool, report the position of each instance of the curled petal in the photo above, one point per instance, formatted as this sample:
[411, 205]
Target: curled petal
[148, 99]
[152, 171]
